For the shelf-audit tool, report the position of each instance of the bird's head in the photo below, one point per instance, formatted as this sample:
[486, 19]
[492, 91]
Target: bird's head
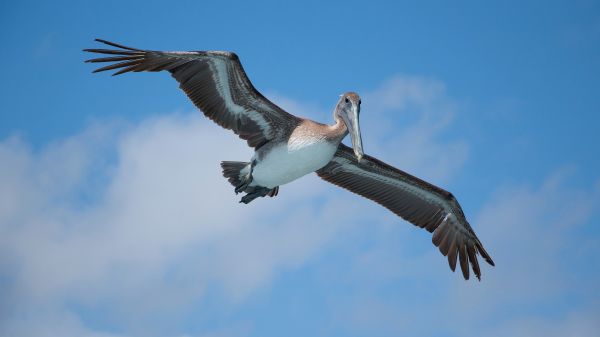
[348, 110]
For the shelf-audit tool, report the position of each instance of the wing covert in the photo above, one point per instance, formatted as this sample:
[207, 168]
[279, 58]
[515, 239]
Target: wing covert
[415, 200]
[215, 82]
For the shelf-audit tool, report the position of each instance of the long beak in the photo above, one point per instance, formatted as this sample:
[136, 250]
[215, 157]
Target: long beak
[354, 130]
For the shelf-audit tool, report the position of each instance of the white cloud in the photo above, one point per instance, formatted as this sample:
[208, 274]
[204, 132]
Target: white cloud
[135, 223]
[545, 282]
[165, 224]
[50, 323]
[538, 237]
[138, 219]
[576, 323]
[410, 115]
[303, 109]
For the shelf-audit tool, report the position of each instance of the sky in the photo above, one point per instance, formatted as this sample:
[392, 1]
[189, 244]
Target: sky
[115, 219]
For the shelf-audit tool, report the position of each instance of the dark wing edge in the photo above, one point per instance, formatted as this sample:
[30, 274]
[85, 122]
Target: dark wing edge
[214, 81]
[415, 200]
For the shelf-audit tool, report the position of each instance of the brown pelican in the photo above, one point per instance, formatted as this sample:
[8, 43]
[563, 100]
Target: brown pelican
[288, 147]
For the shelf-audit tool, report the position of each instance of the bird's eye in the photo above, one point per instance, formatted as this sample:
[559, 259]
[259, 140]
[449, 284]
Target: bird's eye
[347, 100]
[359, 101]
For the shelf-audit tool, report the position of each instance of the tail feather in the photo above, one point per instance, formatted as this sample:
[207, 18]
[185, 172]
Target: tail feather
[232, 171]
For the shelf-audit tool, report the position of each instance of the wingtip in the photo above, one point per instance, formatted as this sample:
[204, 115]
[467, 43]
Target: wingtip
[452, 265]
[116, 45]
[102, 41]
[486, 256]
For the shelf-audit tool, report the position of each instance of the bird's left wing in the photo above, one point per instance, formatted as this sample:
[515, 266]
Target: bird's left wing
[216, 83]
[414, 200]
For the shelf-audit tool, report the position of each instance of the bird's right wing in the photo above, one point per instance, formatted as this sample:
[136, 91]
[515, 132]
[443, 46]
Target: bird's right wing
[414, 200]
[216, 83]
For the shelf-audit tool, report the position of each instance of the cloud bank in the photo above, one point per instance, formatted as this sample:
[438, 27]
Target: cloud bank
[124, 229]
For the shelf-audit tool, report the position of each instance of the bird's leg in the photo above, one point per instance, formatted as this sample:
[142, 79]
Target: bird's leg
[244, 184]
[257, 191]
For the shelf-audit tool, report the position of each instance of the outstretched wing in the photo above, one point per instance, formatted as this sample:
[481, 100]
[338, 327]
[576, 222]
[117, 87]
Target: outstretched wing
[414, 200]
[217, 84]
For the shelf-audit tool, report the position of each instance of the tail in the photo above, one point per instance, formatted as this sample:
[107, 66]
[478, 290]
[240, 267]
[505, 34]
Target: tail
[232, 170]
[237, 174]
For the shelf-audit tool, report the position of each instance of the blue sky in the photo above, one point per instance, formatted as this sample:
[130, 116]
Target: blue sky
[106, 230]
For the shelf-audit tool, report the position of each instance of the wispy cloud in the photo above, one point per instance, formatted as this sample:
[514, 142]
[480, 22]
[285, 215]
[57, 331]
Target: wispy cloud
[164, 223]
[125, 228]
[545, 283]
[410, 115]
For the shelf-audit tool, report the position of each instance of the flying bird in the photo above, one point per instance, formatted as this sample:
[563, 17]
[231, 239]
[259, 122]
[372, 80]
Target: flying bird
[288, 147]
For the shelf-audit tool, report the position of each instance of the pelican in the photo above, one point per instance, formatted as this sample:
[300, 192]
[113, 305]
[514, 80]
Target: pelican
[287, 147]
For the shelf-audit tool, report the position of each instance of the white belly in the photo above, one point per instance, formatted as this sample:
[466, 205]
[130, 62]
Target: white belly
[291, 161]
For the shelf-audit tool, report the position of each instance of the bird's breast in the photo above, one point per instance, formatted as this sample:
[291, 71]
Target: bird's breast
[289, 161]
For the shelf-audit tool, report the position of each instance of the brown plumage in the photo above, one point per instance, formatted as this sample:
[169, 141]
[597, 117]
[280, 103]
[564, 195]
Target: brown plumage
[235, 105]
[217, 84]
[414, 200]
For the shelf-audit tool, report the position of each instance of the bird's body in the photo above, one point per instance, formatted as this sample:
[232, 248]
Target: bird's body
[284, 163]
[309, 147]
[288, 147]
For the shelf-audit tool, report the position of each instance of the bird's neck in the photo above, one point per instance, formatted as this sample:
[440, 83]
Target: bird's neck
[339, 129]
